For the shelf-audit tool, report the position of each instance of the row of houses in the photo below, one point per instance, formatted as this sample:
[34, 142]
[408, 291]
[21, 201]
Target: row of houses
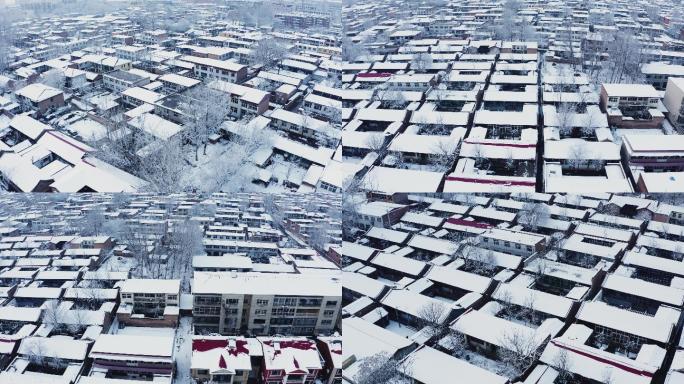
[76, 308]
[498, 286]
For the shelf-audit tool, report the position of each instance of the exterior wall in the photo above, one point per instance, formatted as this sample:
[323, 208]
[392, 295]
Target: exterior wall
[133, 367]
[501, 246]
[255, 314]
[169, 321]
[620, 123]
[673, 103]
[119, 85]
[53, 102]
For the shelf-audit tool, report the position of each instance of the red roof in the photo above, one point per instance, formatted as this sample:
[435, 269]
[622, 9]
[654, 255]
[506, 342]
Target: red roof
[495, 144]
[491, 181]
[373, 74]
[467, 223]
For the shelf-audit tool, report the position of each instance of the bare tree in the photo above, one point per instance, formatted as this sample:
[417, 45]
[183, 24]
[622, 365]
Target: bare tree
[444, 156]
[267, 52]
[457, 344]
[204, 110]
[478, 260]
[54, 78]
[421, 62]
[92, 223]
[164, 169]
[233, 170]
[183, 243]
[378, 368]
[518, 350]
[54, 314]
[531, 213]
[352, 51]
[565, 113]
[432, 318]
[578, 156]
[563, 365]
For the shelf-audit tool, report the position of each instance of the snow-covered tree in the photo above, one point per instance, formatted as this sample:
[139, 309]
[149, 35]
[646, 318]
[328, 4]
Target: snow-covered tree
[378, 368]
[432, 319]
[204, 110]
[268, 53]
[531, 213]
[519, 350]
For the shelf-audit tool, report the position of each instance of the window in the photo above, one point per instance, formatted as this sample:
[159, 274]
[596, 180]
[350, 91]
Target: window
[326, 322]
[331, 303]
[126, 296]
[172, 297]
[328, 313]
[262, 302]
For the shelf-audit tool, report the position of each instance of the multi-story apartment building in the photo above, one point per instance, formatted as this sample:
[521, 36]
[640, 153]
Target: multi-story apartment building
[674, 95]
[647, 152]
[218, 247]
[149, 302]
[40, 97]
[302, 20]
[119, 81]
[131, 52]
[265, 304]
[103, 63]
[173, 83]
[631, 105]
[243, 100]
[206, 68]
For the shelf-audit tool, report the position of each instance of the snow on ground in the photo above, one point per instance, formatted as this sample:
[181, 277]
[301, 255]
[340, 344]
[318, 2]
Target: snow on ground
[399, 329]
[183, 351]
[117, 264]
[485, 363]
[88, 129]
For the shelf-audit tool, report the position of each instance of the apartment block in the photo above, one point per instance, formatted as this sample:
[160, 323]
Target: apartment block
[265, 304]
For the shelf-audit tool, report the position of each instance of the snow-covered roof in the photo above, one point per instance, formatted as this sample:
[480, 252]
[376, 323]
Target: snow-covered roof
[421, 365]
[456, 278]
[433, 244]
[293, 355]
[38, 92]
[363, 339]
[169, 287]
[136, 347]
[594, 363]
[142, 94]
[180, 80]
[363, 285]
[403, 265]
[538, 300]
[645, 289]
[654, 328]
[387, 234]
[392, 180]
[156, 126]
[58, 347]
[501, 332]
[221, 354]
[631, 90]
[255, 283]
[28, 126]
